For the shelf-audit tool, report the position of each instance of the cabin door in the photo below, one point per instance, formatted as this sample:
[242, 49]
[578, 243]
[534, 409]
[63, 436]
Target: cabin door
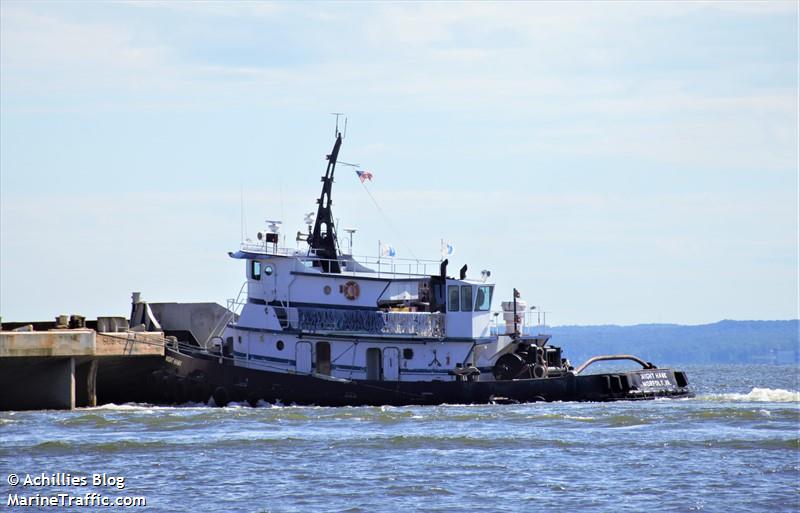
[269, 282]
[391, 364]
[303, 357]
[374, 363]
[323, 360]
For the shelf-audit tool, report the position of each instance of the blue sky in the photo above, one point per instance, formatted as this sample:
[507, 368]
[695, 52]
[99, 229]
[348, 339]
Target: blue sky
[617, 162]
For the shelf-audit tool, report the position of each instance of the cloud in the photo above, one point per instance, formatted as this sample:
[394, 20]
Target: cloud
[501, 54]
[38, 45]
[594, 136]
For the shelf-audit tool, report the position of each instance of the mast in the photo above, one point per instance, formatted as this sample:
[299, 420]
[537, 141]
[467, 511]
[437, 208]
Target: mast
[323, 238]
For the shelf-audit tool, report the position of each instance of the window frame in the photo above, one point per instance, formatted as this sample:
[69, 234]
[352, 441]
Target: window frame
[253, 265]
[471, 303]
[490, 292]
[450, 302]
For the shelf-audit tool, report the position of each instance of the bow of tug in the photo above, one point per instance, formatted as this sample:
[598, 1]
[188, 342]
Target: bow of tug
[632, 385]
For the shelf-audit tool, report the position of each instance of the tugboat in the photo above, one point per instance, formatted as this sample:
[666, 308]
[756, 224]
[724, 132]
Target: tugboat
[315, 325]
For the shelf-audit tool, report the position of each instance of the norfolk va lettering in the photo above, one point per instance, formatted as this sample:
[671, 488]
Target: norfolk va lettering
[656, 379]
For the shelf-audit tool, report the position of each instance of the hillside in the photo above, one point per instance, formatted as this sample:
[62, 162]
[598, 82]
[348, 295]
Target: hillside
[721, 342]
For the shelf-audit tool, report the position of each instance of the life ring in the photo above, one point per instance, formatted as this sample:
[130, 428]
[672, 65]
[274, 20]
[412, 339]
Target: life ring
[351, 290]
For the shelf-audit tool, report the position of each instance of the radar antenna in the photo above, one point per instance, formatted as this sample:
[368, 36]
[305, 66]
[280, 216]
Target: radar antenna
[336, 130]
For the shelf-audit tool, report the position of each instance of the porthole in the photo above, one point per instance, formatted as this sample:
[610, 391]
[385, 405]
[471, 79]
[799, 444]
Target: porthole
[408, 353]
[268, 270]
[326, 289]
[279, 345]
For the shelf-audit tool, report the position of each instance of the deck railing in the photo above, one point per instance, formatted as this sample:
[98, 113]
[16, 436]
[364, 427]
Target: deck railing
[530, 323]
[388, 267]
[235, 305]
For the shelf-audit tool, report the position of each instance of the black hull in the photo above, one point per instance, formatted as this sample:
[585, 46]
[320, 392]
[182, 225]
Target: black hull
[197, 377]
[119, 379]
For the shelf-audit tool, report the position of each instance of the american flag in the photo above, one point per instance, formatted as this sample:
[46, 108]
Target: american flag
[364, 176]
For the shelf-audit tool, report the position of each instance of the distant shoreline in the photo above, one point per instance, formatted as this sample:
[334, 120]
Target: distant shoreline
[727, 341]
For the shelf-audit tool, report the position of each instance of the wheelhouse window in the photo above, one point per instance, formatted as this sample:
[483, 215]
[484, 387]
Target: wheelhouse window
[466, 298]
[483, 299]
[255, 269]
[452, 298]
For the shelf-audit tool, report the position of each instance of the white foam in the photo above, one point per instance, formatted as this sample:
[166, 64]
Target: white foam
[123, 407]
[141, 407]
[234, 405]
[578, 417]
[758, 395]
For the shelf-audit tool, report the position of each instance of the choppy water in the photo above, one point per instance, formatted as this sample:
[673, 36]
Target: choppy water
[736, 447]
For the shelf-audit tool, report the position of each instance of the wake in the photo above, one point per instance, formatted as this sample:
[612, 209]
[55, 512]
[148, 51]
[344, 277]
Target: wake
[757, 395]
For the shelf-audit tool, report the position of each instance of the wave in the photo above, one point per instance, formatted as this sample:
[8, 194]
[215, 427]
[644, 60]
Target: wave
[143, 407]
[745, 444]
[444, 442]
[123, 407]
[757, 395]
[112, 446]
[739, 413]
[91, 419]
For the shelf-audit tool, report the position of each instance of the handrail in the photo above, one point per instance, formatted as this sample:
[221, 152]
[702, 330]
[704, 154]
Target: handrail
[385, 265]
[260, 247]
[530, 323]
[380, 268]
[234, 303]
[594, 359]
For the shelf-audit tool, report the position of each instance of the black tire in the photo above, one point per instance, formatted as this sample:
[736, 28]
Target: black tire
[179, 391]
[197, 391]
[154, 386]
[167, 389]
[221, 397]
[206, 392]
[253, 398]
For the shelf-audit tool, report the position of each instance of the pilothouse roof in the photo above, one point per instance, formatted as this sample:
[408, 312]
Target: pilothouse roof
[349, 265]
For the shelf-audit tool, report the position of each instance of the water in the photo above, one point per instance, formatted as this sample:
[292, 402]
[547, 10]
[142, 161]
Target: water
[736, 447]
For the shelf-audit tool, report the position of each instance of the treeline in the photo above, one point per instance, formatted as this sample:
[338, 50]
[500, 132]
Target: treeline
[720, 342]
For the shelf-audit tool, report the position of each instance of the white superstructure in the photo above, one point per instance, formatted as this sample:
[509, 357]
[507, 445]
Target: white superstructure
[390, 321]
[319, 311]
